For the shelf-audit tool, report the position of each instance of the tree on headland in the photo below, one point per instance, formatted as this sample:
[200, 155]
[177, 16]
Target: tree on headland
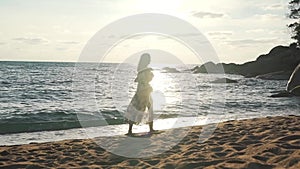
[294, 6]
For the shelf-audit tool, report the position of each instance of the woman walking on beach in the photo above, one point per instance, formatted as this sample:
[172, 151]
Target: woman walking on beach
[141, 106]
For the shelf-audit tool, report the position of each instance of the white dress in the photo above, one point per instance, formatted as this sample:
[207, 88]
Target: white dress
[140, 109]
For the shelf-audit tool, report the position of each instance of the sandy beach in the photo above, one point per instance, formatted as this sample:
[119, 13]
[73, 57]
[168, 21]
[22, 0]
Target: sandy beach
[271, 142]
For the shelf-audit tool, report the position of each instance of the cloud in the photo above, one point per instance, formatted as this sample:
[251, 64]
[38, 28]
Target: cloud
[255, 31]
[274, 7]
[31, 41]
[69, 42]
[61, 49]
[250, 42]
[220, 35]
[180, 35]
[268, 16]
[276, 32]
[207, 15]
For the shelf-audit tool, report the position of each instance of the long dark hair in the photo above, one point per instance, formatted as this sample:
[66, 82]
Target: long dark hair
[144, 61]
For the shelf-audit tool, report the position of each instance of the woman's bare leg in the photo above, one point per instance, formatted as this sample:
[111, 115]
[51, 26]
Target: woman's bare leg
[151, 126]
[150, 109]
[130, 128]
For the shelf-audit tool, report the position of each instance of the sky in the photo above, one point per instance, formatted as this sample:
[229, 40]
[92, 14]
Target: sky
[58, 30]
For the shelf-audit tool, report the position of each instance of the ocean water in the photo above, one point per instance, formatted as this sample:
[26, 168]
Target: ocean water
[41, 101]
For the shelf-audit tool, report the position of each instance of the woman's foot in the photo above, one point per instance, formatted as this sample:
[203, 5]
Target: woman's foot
[129, 134]
[154, 131]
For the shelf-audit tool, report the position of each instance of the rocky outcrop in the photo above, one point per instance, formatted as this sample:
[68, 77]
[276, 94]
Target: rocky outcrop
[170, 70]
[281, 75]
[211, 67]
[224, 80]
[282, 94]
[279, 59]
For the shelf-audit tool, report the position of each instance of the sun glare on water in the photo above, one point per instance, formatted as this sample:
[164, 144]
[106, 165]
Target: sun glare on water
[163, 86]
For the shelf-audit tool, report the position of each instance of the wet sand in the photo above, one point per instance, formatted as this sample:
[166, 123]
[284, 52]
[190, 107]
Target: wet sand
[271, 142]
